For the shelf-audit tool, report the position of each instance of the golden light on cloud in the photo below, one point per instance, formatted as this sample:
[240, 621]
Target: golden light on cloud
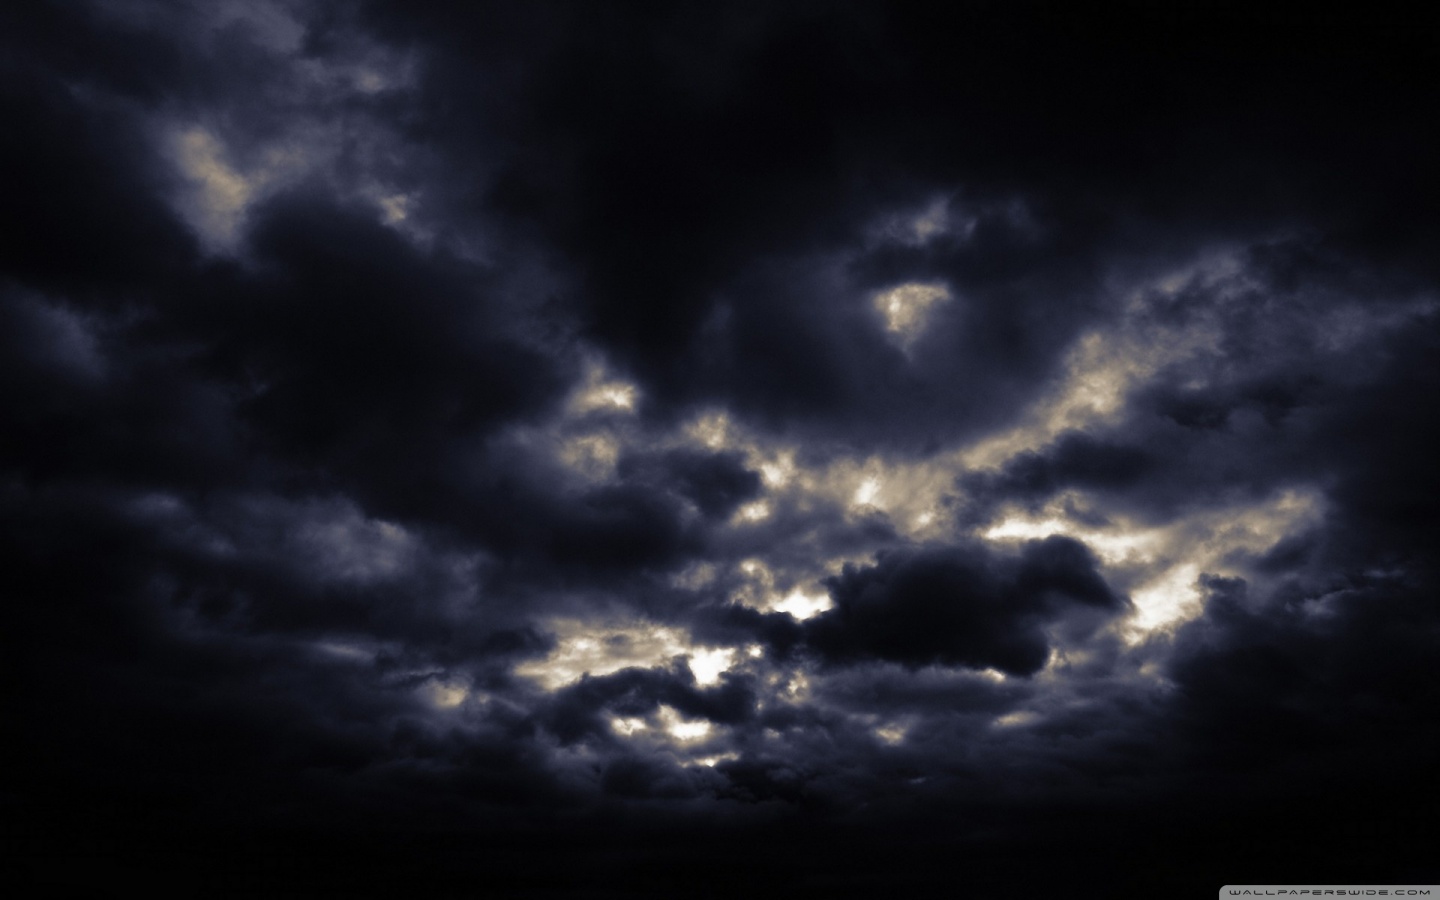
[866, 493]
[221, 194]
[445, 695]
[592, 456]
[587, 649]
[628, 726]
[1116, 543]
[1173, 597]
[684, 730]
[717, 759]
[756, 511]
[905, 310]
[801, 605]
[600, 391]
[1179, 551]
[777, 472]
[891, 734]
[1017, 719]
[712, 430]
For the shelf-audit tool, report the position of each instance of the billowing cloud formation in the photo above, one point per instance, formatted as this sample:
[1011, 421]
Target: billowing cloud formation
[960, 606]
[571, 449]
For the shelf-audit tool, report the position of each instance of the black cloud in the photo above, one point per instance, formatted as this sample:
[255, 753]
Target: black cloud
[960, 606]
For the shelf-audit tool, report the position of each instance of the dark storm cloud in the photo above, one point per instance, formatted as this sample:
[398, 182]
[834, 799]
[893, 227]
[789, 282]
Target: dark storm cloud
[716, 482]
[287, 489]
[1074, 460]
[135, 640]
[82, 201]
[579, 710]
[700, 207]
[960, 606]
[1290, 352]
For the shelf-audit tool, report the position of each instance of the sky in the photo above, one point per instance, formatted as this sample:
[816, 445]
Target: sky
[651, 449]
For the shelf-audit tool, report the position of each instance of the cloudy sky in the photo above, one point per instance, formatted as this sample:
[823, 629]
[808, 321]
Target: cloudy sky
[578, 449]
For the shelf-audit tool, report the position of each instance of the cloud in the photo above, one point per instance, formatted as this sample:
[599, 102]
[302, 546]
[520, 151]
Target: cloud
[960, 606]
[553, 446]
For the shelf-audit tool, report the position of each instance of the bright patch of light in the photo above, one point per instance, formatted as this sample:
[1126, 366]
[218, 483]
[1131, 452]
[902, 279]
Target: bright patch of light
[614, 395]
[587, 649]
[762, 593]
[778, 472]
[903, 490]
[866, 492]
[1101, 370]
[1205, 541]
[906, 309]
[797, 687]
[599, 390]
[683, 730]
[621, 396]
[1179, 551]
[445, 696]
[801, 605]
[1113, 545]
[220, 193]
[396, 208]
[628, 727]
[712, 429]
[709, 665]
[1172, 597]
[713, 761]
[891, 734]
[753, 512]
[1017, 719]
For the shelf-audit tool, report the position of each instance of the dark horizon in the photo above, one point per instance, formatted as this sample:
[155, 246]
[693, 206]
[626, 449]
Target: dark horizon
[643, 449]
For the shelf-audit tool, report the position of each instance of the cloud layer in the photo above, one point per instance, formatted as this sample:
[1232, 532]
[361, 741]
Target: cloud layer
[575, 450]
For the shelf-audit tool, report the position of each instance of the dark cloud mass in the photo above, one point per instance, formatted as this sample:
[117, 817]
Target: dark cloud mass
[959, 606]
[635, 449]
